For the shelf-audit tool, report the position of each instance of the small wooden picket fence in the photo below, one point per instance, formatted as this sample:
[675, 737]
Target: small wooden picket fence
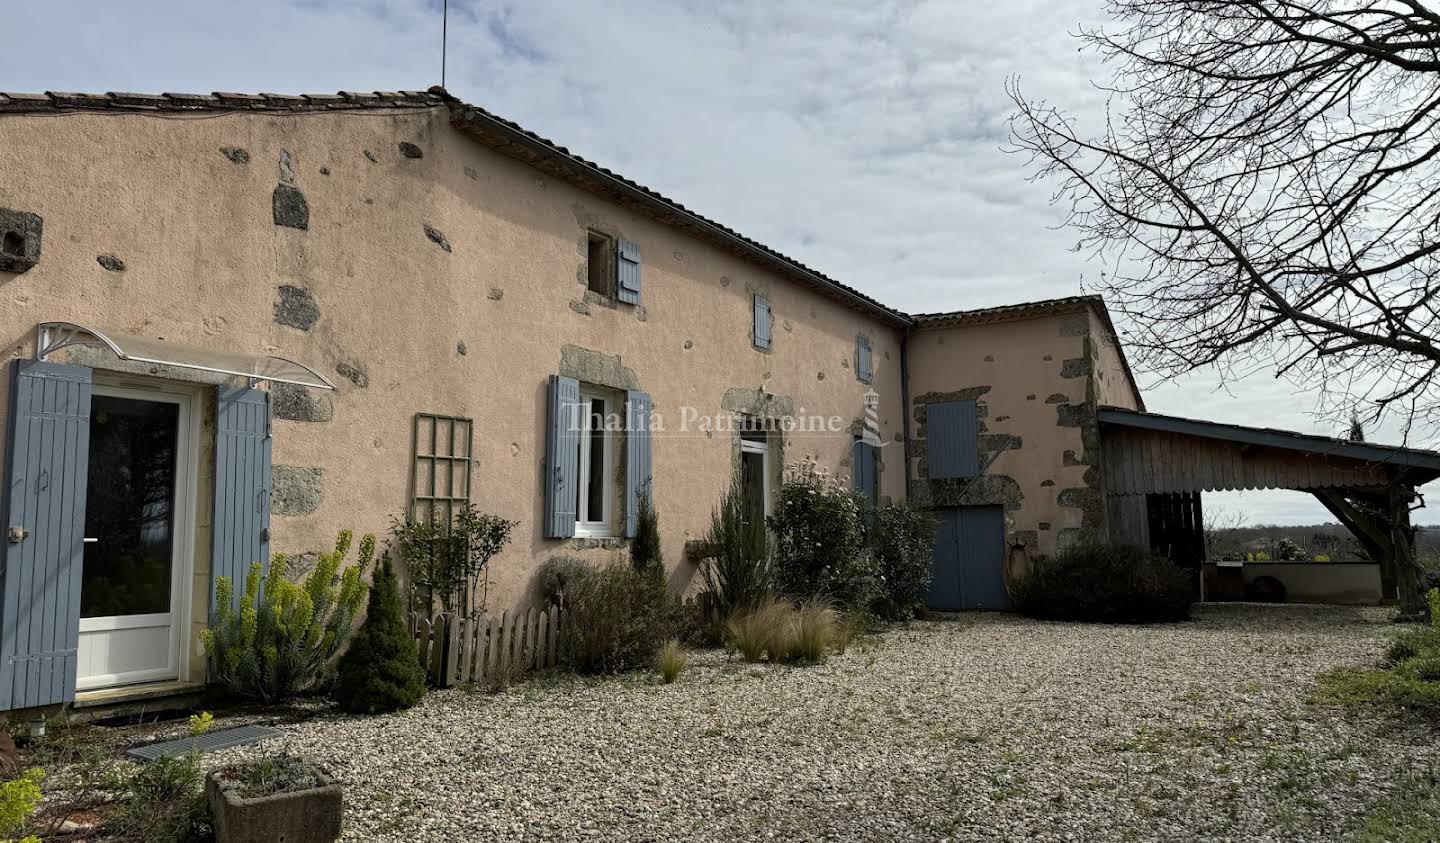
[484, 648]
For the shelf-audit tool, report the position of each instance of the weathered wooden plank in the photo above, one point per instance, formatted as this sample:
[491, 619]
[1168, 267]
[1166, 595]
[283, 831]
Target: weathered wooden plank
[517, 640]
[492, 657]
[542, 628]
[422, 641]
[452, 650]
[502, 644]
[555, 621]
[530, 640]
[467, 638]
[437, 650]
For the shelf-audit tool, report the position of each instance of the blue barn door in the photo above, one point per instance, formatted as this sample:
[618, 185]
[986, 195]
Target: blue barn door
[47, 464]
[945, 571]
[969, 563]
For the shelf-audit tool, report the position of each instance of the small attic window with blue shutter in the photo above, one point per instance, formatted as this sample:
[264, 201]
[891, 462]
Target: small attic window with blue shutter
[627, 272]
[600, 263]
[864, 365]
[760, 332]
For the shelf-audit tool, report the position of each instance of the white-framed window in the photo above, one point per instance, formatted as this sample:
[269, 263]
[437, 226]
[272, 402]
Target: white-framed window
[755, 468]
[595, 492]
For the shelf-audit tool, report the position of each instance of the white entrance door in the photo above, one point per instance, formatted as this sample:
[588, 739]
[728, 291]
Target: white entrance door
[139, 514]
[755, 474]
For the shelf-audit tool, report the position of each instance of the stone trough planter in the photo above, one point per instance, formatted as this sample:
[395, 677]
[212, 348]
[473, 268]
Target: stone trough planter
[309, 815]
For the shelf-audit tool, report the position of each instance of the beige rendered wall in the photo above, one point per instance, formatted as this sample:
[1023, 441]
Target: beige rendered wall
[1114, 386]
[1029, 383]
[474, 331]
[1348, 583]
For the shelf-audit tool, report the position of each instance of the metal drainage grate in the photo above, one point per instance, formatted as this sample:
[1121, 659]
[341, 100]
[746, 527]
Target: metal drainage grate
[208, 742]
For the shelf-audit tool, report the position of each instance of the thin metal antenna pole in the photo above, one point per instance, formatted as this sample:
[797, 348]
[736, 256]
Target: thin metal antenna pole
[444, 37]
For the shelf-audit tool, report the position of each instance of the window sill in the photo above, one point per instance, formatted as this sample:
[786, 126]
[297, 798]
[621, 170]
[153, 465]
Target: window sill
[597, 543]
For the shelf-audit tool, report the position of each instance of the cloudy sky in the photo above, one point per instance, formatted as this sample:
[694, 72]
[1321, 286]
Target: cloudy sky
[860, 137]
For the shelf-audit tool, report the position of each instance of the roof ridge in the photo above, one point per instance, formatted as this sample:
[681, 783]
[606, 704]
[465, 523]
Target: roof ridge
[17, 102]
[1003, 309]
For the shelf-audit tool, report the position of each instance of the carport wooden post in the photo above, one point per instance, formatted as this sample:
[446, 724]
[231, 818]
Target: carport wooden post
[1380, 521]
[1402, 546]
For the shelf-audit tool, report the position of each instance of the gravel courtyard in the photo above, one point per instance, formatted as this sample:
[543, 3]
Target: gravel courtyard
[982, 727]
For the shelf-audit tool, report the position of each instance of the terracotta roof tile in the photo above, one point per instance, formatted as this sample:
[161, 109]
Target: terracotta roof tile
[1007, 310]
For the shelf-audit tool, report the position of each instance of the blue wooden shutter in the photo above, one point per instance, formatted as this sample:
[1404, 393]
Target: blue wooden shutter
[762, 321]
[47, 457]
[863, 366]
[627, 272]
[865, 478]
[638, 470]
[952, 439]
[242, 487]
[562, 457]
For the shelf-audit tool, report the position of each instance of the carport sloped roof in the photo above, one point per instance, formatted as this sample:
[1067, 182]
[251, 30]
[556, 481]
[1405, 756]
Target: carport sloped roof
[1423, 465]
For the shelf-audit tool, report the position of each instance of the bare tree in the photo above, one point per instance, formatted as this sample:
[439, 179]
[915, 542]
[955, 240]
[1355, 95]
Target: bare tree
[1221, 532]
[1265, 191]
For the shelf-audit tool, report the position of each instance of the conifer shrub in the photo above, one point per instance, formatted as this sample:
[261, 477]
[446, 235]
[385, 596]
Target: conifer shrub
[645, 546]
[381, 671]
[282, 641]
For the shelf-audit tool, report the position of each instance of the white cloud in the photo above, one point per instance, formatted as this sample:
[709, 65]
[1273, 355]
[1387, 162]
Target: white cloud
[862, 138]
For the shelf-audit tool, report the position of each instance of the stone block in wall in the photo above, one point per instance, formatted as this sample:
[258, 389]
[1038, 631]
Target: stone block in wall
[296, 307]
[289, 207]
[19, 240]
[297, 403]
[296, 490]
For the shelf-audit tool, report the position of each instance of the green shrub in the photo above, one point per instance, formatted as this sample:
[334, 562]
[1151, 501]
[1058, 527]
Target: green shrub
[381, 671]
[163, 802]
[1091, 581]
[1412, 642]
[736, 573]
[819, 548]
[18, 799]
[615, 617]
[282, 643]
[1409, 682]
[1362, 691]
[902, 540]
[447, 563]
[1424, 667]
[645, 546]
[554, 576]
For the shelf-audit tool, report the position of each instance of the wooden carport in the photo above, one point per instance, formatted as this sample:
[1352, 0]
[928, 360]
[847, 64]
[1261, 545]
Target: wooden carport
[1156, 466]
